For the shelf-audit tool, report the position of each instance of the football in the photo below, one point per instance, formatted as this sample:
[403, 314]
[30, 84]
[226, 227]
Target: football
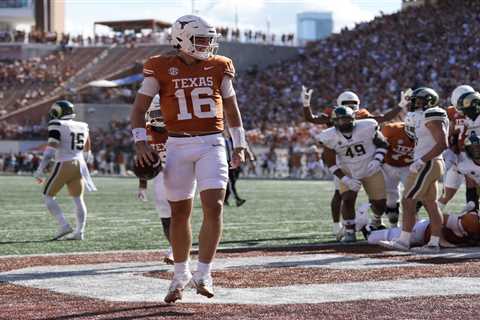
[148, 171]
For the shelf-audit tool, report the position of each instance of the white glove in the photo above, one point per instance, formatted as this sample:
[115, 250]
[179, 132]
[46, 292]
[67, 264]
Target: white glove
[306, 96]
[352, 184]
[405, 98]
[88, 157]
[142, 195]
[373, 166]
[416, 166]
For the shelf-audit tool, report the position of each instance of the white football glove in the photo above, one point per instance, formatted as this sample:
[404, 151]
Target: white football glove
[88, 157]
[416, 166]
[142, 195]
[306, 96]
[405, 98]
[352, 184]
[373, 166]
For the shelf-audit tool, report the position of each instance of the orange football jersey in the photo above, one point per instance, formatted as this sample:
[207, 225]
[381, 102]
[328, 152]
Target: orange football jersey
[456, 135]
[190, 95]
[157, 140]
[400, 146]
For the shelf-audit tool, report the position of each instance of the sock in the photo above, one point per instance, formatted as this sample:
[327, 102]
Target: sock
[56, 211]
[434, 241]
[181, 267]
[81, 214]
[405, 237]
[204, 268]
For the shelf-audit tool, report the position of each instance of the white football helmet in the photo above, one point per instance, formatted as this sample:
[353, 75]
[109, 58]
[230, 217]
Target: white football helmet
[185, 32]
[349, 98]
[154, 115]
[458, 92]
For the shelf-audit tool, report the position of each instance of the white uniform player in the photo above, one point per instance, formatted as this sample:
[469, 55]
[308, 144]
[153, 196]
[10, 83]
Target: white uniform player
[353, 154]
[67, 142]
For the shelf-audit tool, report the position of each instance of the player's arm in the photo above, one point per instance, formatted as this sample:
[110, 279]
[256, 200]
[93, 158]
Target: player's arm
[329, 157]
[87, 151]
[322, 118]
[305, 98]
[234, 119]
[388, 116]
[144, 97]
[53, 142]
[436, 129]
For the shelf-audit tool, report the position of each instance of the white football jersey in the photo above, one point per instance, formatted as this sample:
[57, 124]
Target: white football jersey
[469, 169]
[472, 126]
[71, 136]
[355, 153]
[424, 140]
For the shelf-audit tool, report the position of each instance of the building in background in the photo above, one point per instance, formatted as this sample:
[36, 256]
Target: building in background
[42, 15]
[313, 26]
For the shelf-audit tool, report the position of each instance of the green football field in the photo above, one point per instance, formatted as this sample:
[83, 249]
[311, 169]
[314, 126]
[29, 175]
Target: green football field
[277, 212]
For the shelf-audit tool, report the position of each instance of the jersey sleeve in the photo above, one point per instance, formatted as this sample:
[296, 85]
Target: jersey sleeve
[54, 134]
[149, 68]
[325, 138]
[387, 131]
[435, 114]
[229, 68]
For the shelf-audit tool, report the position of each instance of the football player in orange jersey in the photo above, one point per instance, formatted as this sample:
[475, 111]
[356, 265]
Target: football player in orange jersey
[397, 160]
[350, 99]
[157, 136]
[197, 96]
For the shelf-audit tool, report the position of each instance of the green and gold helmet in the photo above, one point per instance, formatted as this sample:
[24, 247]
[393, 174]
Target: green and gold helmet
[469, 104]
[62, 109]
[423, 98]
[343, 119]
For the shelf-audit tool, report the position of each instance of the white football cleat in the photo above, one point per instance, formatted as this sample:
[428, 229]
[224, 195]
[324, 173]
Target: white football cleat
[75, 236]
[336, 227]
[395, 244]
[204, 284]
[168, 258]
[426, 249]
[178, 284]
[62, 232]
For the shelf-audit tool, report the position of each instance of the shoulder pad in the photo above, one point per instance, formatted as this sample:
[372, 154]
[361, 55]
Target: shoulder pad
[435, 113]
[367, 122]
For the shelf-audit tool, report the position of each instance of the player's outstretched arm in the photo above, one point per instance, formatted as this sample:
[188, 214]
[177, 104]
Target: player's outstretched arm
[305, 98]
[137, 120]
[235, 125]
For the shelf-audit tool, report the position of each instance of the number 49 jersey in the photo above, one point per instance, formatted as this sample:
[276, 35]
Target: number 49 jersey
[190, 94]
[356, 152]
[71, 136]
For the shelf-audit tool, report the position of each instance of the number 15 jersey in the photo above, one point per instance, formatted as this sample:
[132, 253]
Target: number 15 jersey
[190, 94]
[356, 152]
[71, 137]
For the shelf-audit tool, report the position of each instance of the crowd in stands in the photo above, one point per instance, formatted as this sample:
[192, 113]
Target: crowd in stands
[431, 45]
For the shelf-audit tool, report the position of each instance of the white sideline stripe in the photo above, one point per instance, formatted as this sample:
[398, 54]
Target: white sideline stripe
[124, 282]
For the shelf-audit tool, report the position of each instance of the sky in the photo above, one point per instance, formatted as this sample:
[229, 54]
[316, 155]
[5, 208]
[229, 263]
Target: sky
[280, 15]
